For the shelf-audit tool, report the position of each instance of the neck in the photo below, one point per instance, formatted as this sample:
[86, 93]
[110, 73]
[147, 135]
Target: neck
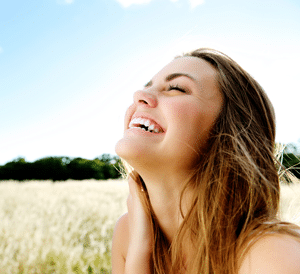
[164, 193]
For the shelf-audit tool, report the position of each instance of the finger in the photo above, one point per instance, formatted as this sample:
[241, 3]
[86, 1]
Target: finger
[133, 186]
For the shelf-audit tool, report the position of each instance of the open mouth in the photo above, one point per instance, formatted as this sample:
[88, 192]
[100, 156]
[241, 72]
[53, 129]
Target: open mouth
[146, 125]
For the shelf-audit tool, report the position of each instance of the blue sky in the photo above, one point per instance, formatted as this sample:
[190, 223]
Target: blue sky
[68, 68]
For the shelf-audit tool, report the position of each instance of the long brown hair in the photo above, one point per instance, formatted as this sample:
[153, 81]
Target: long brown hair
[236, 184]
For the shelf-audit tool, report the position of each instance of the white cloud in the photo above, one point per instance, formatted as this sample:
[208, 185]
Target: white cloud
[127, 3]
[195, 3]
[65, 2]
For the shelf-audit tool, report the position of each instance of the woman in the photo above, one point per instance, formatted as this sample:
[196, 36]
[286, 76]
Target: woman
[204, 187]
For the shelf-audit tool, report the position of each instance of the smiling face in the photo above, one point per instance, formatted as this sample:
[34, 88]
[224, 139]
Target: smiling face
[170, 119]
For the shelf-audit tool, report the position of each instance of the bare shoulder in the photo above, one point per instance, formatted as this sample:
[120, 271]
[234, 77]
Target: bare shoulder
[120, 244]
[273, 253]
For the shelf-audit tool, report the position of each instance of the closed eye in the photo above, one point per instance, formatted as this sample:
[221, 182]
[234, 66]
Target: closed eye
[176, 87]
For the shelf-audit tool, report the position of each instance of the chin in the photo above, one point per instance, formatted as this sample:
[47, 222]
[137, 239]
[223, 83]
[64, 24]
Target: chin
[136, 154]
[128, 149]
[121, 149]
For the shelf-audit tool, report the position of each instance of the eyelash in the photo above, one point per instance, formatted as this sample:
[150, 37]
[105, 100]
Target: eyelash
[177, 87]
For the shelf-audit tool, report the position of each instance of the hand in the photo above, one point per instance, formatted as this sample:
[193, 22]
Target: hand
[139, 221]
[140, 231]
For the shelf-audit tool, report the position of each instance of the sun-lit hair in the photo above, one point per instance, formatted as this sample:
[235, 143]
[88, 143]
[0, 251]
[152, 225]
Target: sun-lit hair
[235, 183]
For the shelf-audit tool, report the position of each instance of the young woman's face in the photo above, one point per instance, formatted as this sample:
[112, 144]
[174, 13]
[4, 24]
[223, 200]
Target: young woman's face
[170, 118]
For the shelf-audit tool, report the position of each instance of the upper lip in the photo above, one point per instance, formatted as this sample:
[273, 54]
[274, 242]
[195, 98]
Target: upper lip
[147, 116]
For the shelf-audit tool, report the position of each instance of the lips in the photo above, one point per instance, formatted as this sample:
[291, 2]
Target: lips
[146, 123]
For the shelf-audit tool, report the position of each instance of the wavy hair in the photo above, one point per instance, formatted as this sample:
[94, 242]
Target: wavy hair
[236, 182]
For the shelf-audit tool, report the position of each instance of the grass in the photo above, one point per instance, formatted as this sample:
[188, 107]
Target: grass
[290, 203]
[67, 227]
[59, 228]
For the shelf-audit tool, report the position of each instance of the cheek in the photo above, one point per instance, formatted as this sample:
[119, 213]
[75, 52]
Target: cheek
[178, 110]
[128, 114]
[193, 119]
[192, 114]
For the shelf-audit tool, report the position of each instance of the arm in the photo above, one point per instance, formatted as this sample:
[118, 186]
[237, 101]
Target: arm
[273, 254]
[132, 240]
[120, 245]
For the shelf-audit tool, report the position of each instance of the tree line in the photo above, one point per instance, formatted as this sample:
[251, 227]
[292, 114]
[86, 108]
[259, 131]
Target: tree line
[292, 163]
[62, 168]
[291, 158]
[101, 168]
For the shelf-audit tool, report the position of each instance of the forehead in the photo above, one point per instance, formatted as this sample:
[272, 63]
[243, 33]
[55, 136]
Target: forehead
[198, 68]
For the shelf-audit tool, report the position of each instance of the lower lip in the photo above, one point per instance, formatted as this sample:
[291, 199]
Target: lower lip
[143, 132]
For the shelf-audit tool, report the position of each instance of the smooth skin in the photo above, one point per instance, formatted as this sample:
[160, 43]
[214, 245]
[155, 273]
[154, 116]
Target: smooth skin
[273, 254]
[186, 107]
[132, 240]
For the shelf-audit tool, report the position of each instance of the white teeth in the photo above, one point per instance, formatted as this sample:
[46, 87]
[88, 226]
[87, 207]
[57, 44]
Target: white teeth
[151, 127]
[142, 121]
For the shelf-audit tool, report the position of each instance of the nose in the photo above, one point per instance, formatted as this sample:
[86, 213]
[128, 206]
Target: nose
[145, 98]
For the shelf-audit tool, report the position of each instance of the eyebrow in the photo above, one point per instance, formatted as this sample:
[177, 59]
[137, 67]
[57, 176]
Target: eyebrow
[173, 76]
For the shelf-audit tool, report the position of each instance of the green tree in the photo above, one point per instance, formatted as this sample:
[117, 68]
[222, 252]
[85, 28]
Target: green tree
[292, 163]
[62, 168]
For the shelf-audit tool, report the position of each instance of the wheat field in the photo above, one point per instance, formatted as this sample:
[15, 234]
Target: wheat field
[61, 227]
[67, 227]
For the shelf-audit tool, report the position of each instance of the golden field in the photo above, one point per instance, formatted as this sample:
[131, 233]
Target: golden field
[67, 227]
[61, 227]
